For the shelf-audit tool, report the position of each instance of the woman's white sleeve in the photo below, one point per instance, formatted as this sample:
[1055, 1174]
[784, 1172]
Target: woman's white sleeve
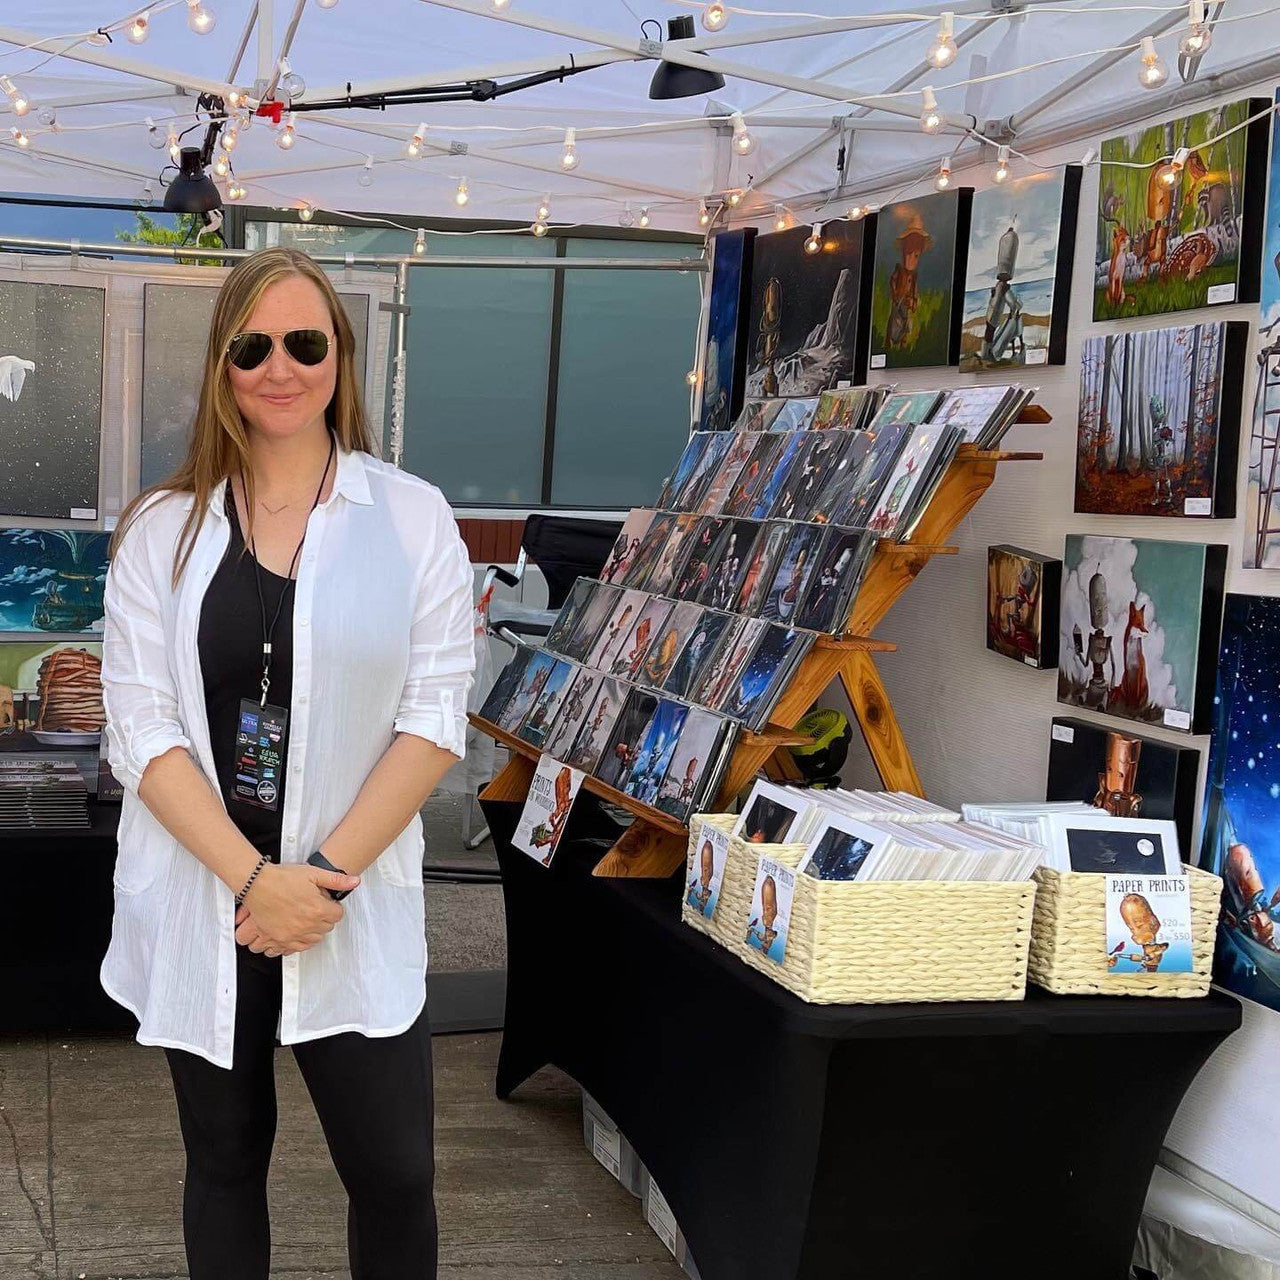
[433, 702]
[138, 691]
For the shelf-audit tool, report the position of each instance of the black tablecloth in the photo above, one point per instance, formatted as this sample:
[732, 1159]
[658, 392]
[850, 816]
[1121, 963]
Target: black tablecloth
[891, 1142]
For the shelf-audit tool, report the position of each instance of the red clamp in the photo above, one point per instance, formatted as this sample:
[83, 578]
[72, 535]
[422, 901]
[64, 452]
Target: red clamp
[272, 109]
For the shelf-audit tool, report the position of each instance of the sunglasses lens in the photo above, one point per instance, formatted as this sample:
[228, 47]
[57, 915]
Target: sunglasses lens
[249, 350]
[307, 346]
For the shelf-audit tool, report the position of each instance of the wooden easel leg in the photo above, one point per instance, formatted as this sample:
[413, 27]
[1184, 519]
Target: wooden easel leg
[879, 724]
[646, 851]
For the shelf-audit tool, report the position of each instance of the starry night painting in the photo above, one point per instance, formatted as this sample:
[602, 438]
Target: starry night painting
[645, 774]
[52, 579]
[752, 695]
[1241, 840]
[724, 361]
[50, 399]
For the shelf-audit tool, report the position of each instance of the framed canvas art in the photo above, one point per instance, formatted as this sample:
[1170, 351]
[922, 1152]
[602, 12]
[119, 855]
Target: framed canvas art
[1159, 420]
[1174, 237]
[52, 579]
[1023, 591]
[724, 365]
[919, 279]
[1022, 237]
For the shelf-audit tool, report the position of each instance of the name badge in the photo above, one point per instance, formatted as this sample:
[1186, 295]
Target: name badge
[260, 753]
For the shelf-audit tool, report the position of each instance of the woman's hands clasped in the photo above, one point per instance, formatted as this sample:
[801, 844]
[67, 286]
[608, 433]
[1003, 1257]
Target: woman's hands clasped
[287, 908]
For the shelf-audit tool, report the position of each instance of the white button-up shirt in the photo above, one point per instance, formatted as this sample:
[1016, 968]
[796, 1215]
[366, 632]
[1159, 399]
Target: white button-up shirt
[382, 643]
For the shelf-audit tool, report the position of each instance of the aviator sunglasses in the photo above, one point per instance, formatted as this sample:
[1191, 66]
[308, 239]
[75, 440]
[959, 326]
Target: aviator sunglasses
[250, 349]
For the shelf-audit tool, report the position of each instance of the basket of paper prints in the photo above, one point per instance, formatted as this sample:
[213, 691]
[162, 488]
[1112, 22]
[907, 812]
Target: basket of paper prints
[1069, 952]
[883, 942]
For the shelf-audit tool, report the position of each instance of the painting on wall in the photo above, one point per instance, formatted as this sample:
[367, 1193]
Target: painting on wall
[1139, 629]
[919, 277]
[1123, 774]
[175, 329]
[1262, 522]
[52, 690]
[1180, 210]
[1159, 421]
[52, 579]
[1022, 237]
[50, 399]
[804, 334]
[724, 360]
[1241, 834]
[1022, 605]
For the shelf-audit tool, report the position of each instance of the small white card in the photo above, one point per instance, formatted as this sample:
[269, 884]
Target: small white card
[1197, 506]
[1175, 719]
[546, 809]
[1037, 355]
[702, 892]
[109, 523]
[769, 919]
[1029, 660]
[1220, 293]
[878, 362]
[1063, 733]
[606, 1146]
[660, 1217]
[83, 513]
[1149, 924]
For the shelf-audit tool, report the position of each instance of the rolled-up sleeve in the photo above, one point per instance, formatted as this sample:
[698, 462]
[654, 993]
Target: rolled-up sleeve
[138, 692]
[433, 702]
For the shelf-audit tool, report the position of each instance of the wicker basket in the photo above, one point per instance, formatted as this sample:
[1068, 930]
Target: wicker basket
[1068, 955]
[884, 942]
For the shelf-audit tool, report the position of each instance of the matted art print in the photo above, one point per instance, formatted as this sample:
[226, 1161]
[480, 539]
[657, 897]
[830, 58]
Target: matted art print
[52, 579]
[724, 365]
[1022, 605]
[52, 690]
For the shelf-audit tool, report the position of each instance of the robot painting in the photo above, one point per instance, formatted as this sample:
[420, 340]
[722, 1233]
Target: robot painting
[1018, 285]
[1022, 605]
[1139, 628]
[1242, 800]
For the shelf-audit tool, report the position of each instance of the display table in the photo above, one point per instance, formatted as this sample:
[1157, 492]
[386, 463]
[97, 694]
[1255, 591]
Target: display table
[892, 1142]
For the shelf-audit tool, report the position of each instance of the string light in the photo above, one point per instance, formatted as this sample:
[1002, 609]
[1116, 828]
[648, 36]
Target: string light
[47, 116]
[19, 137]
[930, 116]
[199, 19]
[137, 28]
[291, 82]
[743, 143]
[175, 148]
[286, 137]
[1198, 36]
[643, 220]
[714, 16]
[501, 4]
[413, 149]
[780, 220]
[222, 165]
[462, 195]
[539, 228]
[943, 180]
[1169, 171]
[365, 177]
[1002, 164]
[155, 139]
[570, 158]
[229, 139]
[544, 208]
[857, 213]
[942, 52]
[691, 377]
[236, 192]
[734, 197]
[307, 212]
[147, 194]
[704, 214]
[235, 98]
[18, 100]
[626, 218]
[1154, 69]
[326, 4]
[814, 242]
[420, 242]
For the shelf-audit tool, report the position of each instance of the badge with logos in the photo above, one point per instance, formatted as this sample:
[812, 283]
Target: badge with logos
[260, 753]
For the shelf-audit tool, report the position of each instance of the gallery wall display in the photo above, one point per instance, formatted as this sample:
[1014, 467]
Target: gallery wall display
[1159, 421]
[175, 330]
[52, 690]
[1241, 837]
[1174, 238]
[1139, 630]
[1124, 774]
[1022, 237]
[1023, 590]
[808, 310]
[917, 293]
[724, 359]
[52, 579]
[1262, 532]
[50, 399]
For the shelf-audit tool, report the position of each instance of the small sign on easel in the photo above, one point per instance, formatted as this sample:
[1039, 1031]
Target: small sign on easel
[546, 809]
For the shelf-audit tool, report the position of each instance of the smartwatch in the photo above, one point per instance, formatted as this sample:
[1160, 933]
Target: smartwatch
[318, 859]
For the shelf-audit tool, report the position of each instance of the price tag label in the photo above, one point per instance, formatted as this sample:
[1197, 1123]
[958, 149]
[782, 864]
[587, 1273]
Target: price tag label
[1175, 719]
[1064, 733]
[1037, 355]
[606, 1146]
[83, 513]
[1220, 293]
[1029, 660]
[878, 362]
[660, 1217]
[1197, 507]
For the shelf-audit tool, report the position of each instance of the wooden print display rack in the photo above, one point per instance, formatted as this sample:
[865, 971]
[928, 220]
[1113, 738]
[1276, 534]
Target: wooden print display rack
[655, 843]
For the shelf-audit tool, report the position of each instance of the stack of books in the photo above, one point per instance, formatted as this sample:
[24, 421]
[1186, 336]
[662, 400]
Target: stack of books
[37, 794]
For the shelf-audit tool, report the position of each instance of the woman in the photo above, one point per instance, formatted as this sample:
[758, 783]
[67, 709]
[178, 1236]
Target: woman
[255, 717]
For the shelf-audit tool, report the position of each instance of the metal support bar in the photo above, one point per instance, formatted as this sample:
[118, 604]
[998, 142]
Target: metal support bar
[400, 362]
[266, 44]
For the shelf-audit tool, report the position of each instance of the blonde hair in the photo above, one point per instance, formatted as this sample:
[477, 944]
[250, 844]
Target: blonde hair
[219, 443]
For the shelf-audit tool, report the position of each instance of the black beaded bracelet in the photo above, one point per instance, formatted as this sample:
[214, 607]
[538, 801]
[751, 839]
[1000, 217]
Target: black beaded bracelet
[262, 861]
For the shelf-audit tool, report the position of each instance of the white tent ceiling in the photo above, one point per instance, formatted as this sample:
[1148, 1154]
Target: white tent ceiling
[804, 98]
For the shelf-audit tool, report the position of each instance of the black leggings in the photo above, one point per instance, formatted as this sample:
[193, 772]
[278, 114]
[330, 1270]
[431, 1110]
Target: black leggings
[374, 1099]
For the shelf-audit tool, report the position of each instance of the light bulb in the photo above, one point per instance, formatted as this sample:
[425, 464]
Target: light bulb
[626, 218]
[147, 195]
[365, 177]
[462, 195]
[413, 148]
[1169, 171]
[293, 85]
[570, 158]
[244, 121]
[235, 191]
[47, 116]
[539, 228]
[714, 16]
[734, 197]
[814, 242]
[21, 104]
[307, 212]
[1196, 41]
[930, 116]
[175, 148]
[19, 137]
[222, 165]
[137, 29]
[1154, 71]
[544, 209]
[643, 219]
[780, 219]
[1002, 164]
[704, 214]
[743, 143]
[199, 19]
[691, 377]
[229, 139]
[943, 180]
[155, 138]
[420, 242]
[942, 52]
[235, 98]
[856, 213]
[501, 4]
[286, 137]
[326, 4]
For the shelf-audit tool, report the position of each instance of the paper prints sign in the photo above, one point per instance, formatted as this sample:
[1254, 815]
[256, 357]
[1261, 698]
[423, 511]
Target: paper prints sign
[1148, 924]
[702, 892]
[546, 809]
[769, 920]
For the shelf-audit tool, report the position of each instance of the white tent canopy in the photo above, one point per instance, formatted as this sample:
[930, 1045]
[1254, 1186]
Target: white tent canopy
[813, 87]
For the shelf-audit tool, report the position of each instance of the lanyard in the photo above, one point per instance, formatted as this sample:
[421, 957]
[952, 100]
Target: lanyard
[268, 632]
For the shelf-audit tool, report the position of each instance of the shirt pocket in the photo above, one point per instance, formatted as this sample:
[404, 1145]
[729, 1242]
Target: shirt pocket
[401, 862]
[145, 850]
